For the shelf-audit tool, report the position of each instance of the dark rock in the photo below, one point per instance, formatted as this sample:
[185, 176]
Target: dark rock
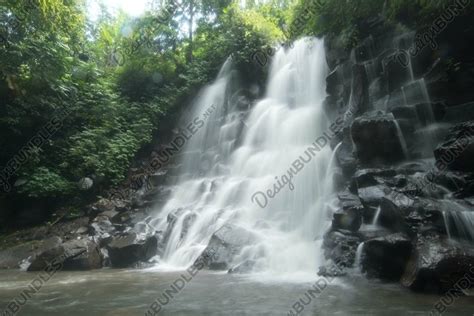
[128, 249]
[360, 90]
[370, 177]
[457, 152]
[102, 228]
[72, 255]
[392, 216]
[158, 178]
[438, 264]
[377, 138]
[386, 257]
[345, 155]
[13, 257]
[332, 270]
[340, 246]
[347, 220]
[225, 244]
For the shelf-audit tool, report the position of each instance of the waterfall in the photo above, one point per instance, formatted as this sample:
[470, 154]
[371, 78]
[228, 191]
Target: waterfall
[377, 216]
[238, 154]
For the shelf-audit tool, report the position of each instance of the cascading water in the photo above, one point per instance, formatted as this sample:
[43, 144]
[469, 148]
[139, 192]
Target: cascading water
[221, 171]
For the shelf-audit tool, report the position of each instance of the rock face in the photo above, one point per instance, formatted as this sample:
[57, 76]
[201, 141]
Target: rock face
[457, 152]
[73, 255]
[386, 257]
[225, 244]
[405, 159]
[129, 249]
[377, 138]
[437, 264]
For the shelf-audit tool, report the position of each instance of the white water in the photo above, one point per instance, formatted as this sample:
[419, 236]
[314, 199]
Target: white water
[218, 178]
[377, 216]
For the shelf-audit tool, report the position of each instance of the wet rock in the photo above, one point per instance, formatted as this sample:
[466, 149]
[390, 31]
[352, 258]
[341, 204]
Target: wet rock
[377, 138]
[438, 264]
[360, 89]
[242, 268]
[340, 246]
[74, 255]
[332, 270]
[392, 216]
[370, 177]
[226, 243]
[386, 257]
[128, 249]
[457, 152]
[158, 178]
[396, 73]
[345, 154]
[102, 229]
[13, 257]
[347, 219]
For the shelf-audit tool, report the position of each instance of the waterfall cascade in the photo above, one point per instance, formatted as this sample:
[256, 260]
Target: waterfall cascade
[228, 168]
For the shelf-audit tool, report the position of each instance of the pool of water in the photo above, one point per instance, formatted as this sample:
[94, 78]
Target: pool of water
[125, 292]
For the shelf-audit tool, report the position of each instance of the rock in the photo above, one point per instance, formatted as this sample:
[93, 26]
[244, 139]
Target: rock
[85, 184]
[386, 257]
[102, 228]
[377, 138]
[392, 217]
[158, 178]
[242, 268]
[332, 270]
[373, 195]
[360, 90]
[340, 246]
[437, 264]
[370, 177]
[457, 152]
[11, 258]
[74, 255]
[396, 73]
[126, 250]
[344, 154]
[347, 220]
[226, 243]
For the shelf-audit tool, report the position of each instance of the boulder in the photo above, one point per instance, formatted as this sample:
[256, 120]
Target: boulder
[102, 228]
[128, 249]
[340, 246]
[386, 257]
[457, 152]
[226, 243]
[74, 255]
[438, 264]
[12, 258]
[377, 138]
[393, 216]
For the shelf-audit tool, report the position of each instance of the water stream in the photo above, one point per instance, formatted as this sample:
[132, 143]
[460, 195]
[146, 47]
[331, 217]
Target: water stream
[221, 174]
